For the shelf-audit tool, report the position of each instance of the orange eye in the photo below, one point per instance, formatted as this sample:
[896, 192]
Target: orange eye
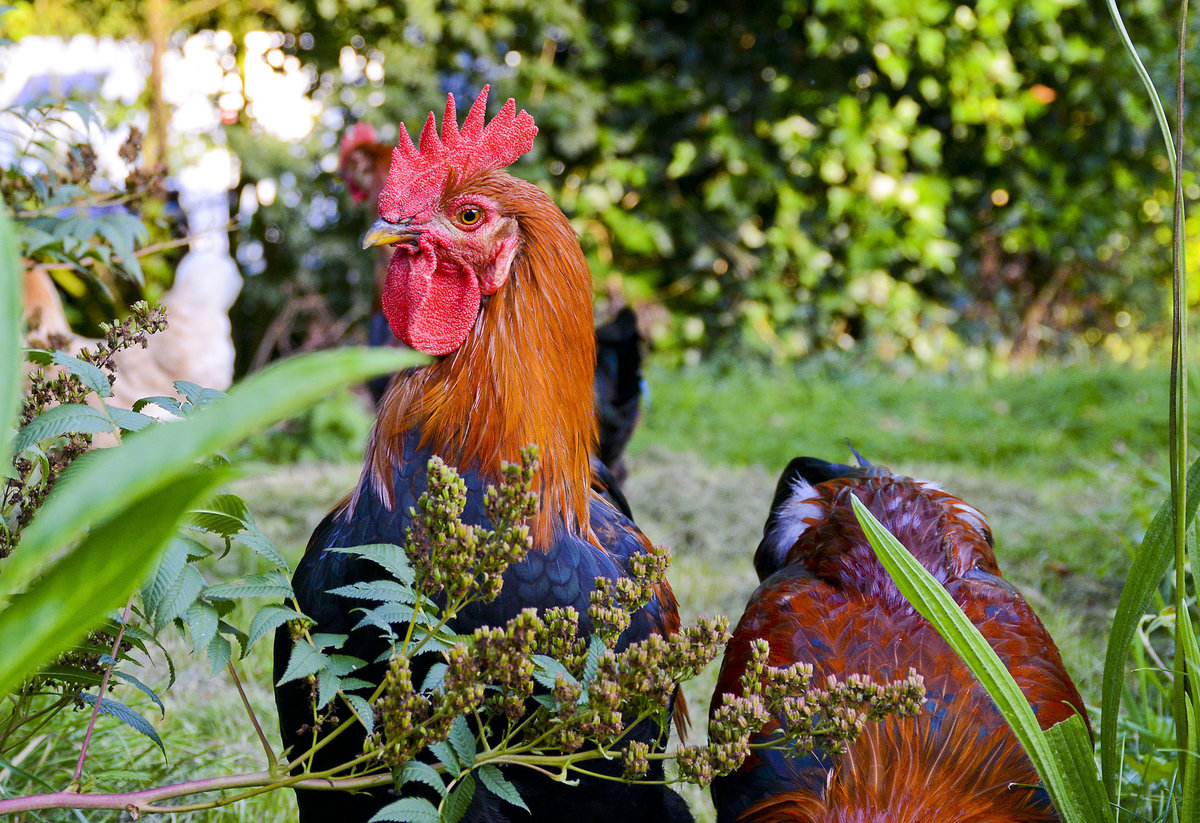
[469, 216]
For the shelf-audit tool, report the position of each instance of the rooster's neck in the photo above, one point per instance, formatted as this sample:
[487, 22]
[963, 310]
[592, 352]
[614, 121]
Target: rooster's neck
[524, 375]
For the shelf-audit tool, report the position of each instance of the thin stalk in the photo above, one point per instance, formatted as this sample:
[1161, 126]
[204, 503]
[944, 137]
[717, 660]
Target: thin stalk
[87, 738]
[1178, 412]
[266, 744]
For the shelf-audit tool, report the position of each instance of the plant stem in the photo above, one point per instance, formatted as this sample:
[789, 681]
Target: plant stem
[266, 744]
[87, 738]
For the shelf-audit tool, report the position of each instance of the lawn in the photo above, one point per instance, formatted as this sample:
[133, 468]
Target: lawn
[1068, 464]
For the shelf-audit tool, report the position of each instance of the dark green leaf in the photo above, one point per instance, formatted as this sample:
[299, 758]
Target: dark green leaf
[129, 420]
[119, 711]
[220, 650]
[363, 709]
[548, 670]
[202, 620]
[261, 545]
[456, 803]
[387, 591]
[168, 404]
[408, 810]
[445, 756]
[143, 688]
[435, 677]
[389, 556]
[463, 741]
[496, 783]
[268, 619]
[255, 585]
[305, 660]
[414, 771]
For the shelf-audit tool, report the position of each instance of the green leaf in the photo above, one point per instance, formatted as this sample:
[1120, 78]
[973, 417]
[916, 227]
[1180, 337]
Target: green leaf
[445, 756]
[456, 803]
[143, 688]
[91, 376]
[305, 660]
[219, 652]
[267, 619]
[548, 670]
[1150, 564]
[202, 620]
[163, 579]
[408, 810]
[130, 421]
[256, 585]
[365, 713]
[117, 710]
[498, 785]
[1062, 777]
[391, 557]
[414, 771]
[168, 404]
[75, 592]
[386, 591]
[261, 545]
[101, 484]
[69, 418]
[463, 741]
[328, 685]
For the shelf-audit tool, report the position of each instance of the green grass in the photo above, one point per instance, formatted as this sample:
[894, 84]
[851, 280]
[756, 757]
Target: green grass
[1066, 463]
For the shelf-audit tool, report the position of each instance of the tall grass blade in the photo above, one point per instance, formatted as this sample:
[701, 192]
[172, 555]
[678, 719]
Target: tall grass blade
[1150, 565]
[1070, 777]
[1152, 93]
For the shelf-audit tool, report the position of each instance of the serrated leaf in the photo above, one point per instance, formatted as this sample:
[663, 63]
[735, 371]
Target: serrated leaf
[386, 616]
[130, 421]
[255, 585]
[498, 785]
[183, 594]
[435, 677]
[415, 771]
[591, 664]
[167, 404]
[386, 591]
[463, 741]
[323, 640]
[261, 545]
[267, 619]
[143, 688]
[547, 670]
[202, 620]
[220, 650]
[117, 710]
[363, 709]
[165, 574]
[90, 376]
[456, 803]
[69, 418]
[391, 557]
[328, 685]
[304, 660]
[445, 755]
[408, 810]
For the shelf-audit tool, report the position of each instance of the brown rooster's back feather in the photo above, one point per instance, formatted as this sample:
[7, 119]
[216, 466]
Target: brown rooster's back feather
[831, 604]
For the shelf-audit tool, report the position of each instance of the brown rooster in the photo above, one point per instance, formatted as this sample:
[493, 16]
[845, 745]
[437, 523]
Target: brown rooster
[487, 275]
[826, 600]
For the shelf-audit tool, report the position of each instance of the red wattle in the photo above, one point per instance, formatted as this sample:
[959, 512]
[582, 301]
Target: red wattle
[429, 307]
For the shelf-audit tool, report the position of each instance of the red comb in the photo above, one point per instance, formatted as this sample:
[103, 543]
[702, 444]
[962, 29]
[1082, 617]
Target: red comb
[421, 172]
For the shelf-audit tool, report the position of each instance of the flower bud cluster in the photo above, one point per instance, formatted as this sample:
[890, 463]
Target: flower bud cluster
[466, 561]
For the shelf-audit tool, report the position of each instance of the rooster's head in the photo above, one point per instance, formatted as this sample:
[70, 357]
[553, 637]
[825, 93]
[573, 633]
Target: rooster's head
[454, 242]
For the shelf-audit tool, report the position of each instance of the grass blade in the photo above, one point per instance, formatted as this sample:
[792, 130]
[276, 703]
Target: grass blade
[1059, 766]
[1149, 566]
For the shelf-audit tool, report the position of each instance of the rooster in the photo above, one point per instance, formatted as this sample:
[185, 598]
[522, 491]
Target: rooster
[488, 277]
[364, 163]
[826, 600]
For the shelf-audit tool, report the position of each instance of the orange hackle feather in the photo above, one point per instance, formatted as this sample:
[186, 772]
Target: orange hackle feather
[835, 607]
[524, 374]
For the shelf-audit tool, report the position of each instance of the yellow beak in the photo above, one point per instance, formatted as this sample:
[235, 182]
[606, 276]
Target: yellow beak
[383, 232]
